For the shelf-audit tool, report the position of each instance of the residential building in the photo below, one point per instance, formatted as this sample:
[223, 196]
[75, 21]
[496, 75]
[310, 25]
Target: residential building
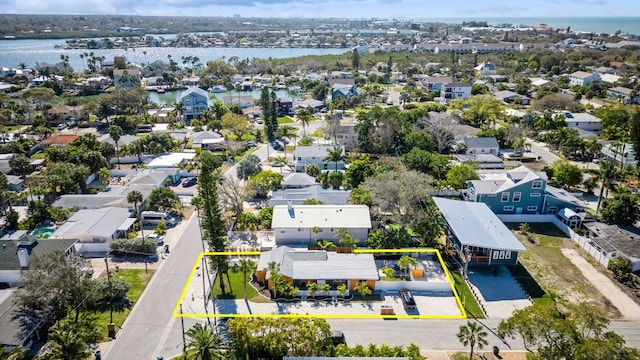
[18, 247]
[620, 154]
[616, 241]
[483, 161]
[434, 83]
[624, 95]
[452, 91]
[96, 228]
[172, 160]
[127, 78]
[58, 140]
[297, 180]
[195, 101]
[519, 191]
[486, 69]
[243, 101]
[16, 183]
[346, 135]
[342, 91]
[509, 97]
[299, 267]
[476, 235]
[297, 196]
[114, 195]
[18, 332]
[284, 106]
[583, 78]
[304, 156]
[61, 113]
[582, 121]
[125, 139]
[481, 145]
[208, 140]
[295, 224]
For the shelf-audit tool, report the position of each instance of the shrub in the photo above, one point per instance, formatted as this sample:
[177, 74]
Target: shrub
[161, 228]
[136, 246]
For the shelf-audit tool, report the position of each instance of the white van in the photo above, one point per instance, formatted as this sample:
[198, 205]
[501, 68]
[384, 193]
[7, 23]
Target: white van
[155, 217]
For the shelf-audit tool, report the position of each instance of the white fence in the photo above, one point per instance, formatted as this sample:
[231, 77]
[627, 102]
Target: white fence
[584, 242]
[430, 286]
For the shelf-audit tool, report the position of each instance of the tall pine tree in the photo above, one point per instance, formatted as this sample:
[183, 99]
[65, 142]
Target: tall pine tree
[213, 228]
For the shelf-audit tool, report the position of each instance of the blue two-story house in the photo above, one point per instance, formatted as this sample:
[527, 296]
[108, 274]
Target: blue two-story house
[195, 101]
[343, 91]
[519, 191]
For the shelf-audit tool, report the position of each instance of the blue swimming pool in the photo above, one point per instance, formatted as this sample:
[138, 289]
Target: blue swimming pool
[43, 232]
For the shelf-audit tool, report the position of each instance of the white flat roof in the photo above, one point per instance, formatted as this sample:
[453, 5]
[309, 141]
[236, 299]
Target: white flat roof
[324, 216]
[170, 160]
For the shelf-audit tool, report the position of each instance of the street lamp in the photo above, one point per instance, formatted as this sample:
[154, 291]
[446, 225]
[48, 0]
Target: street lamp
[111, 327]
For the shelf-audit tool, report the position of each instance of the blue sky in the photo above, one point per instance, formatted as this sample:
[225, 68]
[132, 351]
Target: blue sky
[408, 9]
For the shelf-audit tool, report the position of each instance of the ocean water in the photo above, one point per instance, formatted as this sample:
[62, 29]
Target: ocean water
[14, 52]
[597, 25]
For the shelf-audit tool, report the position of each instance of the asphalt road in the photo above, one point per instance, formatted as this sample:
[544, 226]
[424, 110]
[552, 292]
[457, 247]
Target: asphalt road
[151, 329]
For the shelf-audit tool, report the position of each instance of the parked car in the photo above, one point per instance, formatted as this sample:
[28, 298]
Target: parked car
[337, 338]
[407, 299]
[158, 238]
[251, 143]
[277, 145]
[190, 181]
[62, 126]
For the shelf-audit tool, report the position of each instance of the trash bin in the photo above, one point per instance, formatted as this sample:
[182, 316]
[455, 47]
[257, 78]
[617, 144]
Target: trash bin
[496, 350]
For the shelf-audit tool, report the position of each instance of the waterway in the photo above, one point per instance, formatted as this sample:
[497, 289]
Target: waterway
[30, 52]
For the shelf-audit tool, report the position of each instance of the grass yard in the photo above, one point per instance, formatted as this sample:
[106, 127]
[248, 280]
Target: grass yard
[236, 288]
[471, 305]
[553, 272]
[138, 280]
[285, 120]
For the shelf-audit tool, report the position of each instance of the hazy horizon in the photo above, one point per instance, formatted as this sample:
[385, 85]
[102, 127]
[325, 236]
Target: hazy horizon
[355, 9]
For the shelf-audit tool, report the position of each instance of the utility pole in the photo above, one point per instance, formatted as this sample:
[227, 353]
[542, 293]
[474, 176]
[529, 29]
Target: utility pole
[184, 340]
[111, 327]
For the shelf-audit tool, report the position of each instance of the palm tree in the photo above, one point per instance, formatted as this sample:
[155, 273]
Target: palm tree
[67, 343]
[204, 344]
[336, 154]
[618, 148]
[305, 117]
[407, 262]
[472, 335]
[285, 132]
[247, 267]
[280, 160]
[115, 132]
[136, 198]
[607, 172]
[363, 289]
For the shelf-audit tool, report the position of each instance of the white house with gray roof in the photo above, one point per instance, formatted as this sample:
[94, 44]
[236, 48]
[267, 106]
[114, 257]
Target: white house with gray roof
[294, 224]
[301, 266]
[304, 156]
[96, 228]
[297, 181]
[481, 145]
[477, 234]
[582, 121]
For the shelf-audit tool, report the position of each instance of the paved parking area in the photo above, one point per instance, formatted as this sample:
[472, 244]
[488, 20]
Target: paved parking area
[499, 293]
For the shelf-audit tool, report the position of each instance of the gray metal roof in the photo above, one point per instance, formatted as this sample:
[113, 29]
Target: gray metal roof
[102, 222]
[320, 264]
[481, 142]
[298, 179]
[474, 224]
[563, 196]
[317, 192]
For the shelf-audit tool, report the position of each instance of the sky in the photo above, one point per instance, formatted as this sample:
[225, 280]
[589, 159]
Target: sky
[399, 9]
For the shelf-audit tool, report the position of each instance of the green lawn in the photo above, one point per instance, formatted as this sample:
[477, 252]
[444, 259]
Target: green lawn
[285, 120]
[236, 291]
[547, 272]
[470, 304]
[138, 280]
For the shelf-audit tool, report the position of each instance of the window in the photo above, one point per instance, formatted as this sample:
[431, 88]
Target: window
[532, 208]
[536, 184]
[534, 195]
[507, 208]
[516, 196]
[552, 210]
[505, 196]
[507, 255]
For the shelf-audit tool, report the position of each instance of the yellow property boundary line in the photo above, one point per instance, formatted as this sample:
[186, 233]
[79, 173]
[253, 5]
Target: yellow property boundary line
[463, 313]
